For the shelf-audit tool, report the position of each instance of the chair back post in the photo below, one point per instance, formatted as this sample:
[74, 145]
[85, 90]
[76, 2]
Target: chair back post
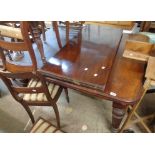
[9, 85]
[38, 92]
[25, 27]
[24, 44]
[44, 86]
[2, 57]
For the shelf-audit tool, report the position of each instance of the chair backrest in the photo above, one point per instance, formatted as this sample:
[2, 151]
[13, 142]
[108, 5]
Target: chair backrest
[138, 50]
[12, 70]
[76, 26]
[24, 45]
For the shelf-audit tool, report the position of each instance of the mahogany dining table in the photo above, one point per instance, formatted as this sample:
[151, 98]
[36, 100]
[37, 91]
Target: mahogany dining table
[92, 63]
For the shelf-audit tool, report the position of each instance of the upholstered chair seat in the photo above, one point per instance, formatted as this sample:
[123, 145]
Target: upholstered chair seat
[53, 89]
[43, 126]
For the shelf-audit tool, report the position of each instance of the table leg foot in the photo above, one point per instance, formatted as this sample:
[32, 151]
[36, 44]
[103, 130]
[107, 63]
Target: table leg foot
[118, 113]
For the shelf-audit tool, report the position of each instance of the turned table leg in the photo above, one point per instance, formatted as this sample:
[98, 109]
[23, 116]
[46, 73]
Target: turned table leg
[37, 39]
[118, 113]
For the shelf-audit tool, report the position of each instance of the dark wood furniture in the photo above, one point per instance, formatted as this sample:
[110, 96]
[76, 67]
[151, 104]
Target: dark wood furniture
[92, 63]
[147, 26]
[39, 91]
[36, 29]
[68, 25]
[36, 36]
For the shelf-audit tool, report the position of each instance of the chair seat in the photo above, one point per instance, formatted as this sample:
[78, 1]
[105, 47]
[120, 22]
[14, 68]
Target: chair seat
[43, 126]
[53, 89]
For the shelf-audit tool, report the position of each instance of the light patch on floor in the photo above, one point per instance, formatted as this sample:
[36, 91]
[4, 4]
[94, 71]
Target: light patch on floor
[84, 127]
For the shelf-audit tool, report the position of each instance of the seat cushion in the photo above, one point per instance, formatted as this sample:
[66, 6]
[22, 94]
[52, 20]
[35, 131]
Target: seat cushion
[53, 89]
[43, 126]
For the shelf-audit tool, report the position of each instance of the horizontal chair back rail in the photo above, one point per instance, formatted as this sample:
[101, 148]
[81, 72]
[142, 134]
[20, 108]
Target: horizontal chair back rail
[10, 32]
[24, 45]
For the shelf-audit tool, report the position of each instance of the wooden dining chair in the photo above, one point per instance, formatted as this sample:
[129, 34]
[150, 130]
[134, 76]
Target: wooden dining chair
[146, 26]
[74, 25]
[40, 24]
[39, 91]
[15, 56]
[34, 31]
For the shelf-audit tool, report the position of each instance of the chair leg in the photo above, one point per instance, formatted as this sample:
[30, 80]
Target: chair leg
[56, 29]
[55, 108]
[66, 93]
[67, 31]
[29, 112]
[43, 30]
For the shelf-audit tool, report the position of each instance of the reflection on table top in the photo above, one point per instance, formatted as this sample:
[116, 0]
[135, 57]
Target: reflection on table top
[93, 61]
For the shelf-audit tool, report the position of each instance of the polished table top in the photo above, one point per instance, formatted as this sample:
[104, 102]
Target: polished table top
[92, 62]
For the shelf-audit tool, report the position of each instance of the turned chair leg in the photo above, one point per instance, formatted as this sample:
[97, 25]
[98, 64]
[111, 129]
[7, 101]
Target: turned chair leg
[57, 115]
[43, 31]
[66, 93]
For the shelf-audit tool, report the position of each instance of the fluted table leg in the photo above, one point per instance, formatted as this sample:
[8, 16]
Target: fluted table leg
[118, 114]
[37, 39]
